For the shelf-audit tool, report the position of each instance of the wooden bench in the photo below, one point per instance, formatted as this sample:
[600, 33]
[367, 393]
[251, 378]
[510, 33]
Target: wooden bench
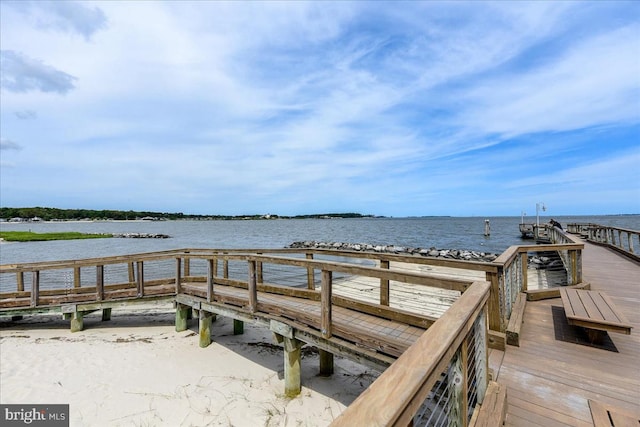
[493, 411]
[605, 415]
[594, 311]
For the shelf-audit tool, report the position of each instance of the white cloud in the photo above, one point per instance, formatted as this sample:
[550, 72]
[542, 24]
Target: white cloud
[23, 74]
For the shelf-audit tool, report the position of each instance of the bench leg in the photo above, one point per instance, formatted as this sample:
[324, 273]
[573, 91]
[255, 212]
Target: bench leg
[595, 336]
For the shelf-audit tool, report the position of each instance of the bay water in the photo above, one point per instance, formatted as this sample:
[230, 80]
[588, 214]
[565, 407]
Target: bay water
[425, 232]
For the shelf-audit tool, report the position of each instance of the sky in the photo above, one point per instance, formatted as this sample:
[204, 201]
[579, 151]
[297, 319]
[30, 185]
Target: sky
[288, 108]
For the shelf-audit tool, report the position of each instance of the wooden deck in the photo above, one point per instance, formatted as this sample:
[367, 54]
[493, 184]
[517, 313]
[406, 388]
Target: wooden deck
[550, 381]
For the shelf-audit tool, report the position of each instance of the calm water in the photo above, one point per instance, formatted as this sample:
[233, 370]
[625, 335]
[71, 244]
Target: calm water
[439, 232]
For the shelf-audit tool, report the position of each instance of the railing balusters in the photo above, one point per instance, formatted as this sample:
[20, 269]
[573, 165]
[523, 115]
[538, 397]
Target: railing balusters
[35, 288]
[253, 288]
[99, 282]
[325, 302]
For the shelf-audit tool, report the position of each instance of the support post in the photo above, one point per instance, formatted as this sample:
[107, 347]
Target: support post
[182, 312]
[384, 284]
[325, 302]
[205, 328]
[140, 280]
[238, 327]
[106, 314]
[210, 275]
[76, 277]
[35, 288]
[524, 260]
[131, 272]
[495, 316]
[178, 274]
[77, 323]
[326, 363]
[187, 266]
[311, 282]
[20, 279]
[292, 383]
[99, 282]
[253, 288]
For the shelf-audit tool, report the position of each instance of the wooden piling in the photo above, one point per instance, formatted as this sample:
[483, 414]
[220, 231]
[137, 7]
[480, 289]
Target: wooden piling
[326, 363]
[182, 312]
[205, 328]
[106, 314]
[238, 327]
[77, 323]
[292, 352]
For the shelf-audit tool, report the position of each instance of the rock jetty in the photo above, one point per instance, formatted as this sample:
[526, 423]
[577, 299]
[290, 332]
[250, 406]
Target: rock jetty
[141, 236]
[394, 249]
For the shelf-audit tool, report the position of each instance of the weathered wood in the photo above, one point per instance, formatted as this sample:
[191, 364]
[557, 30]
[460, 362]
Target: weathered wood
[516, 319]
[493, 410]
[210, 279]
[178, 275]
[253, 287]
[77, 323]
[140, 279]
[35, 288]
[311, 284]
[131, 272]
[396, 395]
[182, 312]
[292, 368]
[495, 314]
[20, 280]
[384, 284]
[387, 313]
[77, 282]
[325, 300]
[106, 314]
[99, 282]
[326, 363]
[238, 327]
[205, 328]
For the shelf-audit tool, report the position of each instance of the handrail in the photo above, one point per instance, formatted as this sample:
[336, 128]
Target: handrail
[397, 395]
[617, 238]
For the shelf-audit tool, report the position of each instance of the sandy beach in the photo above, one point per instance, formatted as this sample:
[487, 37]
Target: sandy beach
[136, 370]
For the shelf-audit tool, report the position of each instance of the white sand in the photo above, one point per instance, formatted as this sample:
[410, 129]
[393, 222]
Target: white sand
[136, 370]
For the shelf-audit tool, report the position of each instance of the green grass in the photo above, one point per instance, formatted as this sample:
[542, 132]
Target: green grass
[28, 236]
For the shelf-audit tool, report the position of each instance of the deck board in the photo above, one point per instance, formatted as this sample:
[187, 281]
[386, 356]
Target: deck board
[550, 382]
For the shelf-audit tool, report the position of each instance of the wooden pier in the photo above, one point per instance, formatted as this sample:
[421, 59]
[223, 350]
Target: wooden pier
[436, 327]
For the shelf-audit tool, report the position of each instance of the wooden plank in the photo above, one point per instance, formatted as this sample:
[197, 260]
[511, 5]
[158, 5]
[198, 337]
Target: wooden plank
[516, 319]
[493, 410]
[605, 415]
[325, 300]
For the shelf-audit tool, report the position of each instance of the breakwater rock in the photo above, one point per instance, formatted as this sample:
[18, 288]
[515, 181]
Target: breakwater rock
[141, 236]
[459, 254]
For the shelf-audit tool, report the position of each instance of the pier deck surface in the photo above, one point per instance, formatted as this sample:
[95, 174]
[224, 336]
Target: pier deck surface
[550, 381]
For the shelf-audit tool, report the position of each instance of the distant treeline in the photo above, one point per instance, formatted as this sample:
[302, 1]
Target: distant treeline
[49, 214]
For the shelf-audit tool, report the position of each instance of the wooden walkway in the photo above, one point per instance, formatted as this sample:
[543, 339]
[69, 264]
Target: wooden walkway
[550, 381]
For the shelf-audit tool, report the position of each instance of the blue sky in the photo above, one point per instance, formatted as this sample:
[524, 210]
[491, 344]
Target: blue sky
[396, 109]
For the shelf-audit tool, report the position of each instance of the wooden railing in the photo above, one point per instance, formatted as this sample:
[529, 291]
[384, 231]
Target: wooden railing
[622, 240]
[438, 380]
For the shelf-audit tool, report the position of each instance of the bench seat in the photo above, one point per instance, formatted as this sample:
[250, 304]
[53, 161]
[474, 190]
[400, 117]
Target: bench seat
[594, 311]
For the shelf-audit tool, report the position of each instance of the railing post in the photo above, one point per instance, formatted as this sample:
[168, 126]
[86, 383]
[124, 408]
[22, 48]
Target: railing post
[20, 279]
[524, 261]
[140, 278]
[311, 281]
[455, 376]
[325, 302]
[99, 282]
[630, 239]
[573, 267]
[259, 275]
[384, 284]
[131, 272]
[253, 288]
[495, 314]
[77, 282]
[187, 266]
[35, 288]
[210, 275]
[225, 268]
[178, 275]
